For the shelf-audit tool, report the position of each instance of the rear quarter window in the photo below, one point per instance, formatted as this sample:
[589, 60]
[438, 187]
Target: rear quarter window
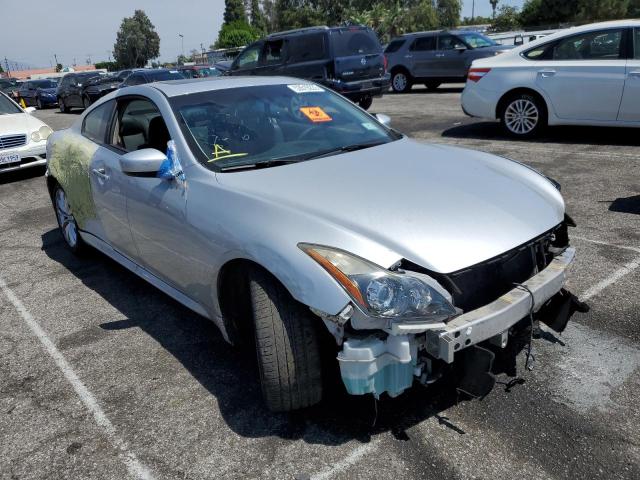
[306, 48]
[347, 43]
[394, 46]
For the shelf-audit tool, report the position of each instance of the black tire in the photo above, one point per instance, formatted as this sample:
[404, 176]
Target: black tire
[401, 81]
[365, 103]
[39, 104]
[77, 245]
[432, 85]
[527, 103]
[62, 106]
[86, 102]
[287, 344]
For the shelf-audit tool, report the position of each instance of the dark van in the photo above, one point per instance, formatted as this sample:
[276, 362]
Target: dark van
[348, 60]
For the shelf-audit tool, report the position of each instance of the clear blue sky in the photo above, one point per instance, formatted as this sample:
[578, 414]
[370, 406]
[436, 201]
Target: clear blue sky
[79, 28]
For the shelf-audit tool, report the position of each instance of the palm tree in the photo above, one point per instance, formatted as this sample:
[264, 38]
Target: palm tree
[494, 5]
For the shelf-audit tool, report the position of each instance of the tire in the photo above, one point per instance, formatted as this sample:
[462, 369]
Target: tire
[86, 102]
[67, 222]
[523, 115]
[432, 85]
[62, 106]
[401, 81]
[366, 103]
[287, 345]
[39, 104]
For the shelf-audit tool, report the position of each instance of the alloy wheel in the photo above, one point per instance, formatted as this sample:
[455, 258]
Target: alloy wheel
[399, 82]
[66, 220]
[521, 116]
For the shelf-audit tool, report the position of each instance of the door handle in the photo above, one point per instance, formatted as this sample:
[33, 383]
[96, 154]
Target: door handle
[547, 73]
[439, 54]
[408, 56]
[100, 173]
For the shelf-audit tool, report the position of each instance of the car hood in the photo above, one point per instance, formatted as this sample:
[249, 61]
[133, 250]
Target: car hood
[17, 123]
[444, 208]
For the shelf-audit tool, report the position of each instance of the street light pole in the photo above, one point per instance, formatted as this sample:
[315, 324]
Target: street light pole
[473, 10]
[182, 45]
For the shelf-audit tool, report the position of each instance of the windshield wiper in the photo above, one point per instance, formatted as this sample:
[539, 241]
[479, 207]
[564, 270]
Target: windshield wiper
[256, 165]
[347, 148]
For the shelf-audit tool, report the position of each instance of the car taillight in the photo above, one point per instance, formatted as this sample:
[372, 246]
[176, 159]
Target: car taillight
[385, 62]
[476, 74]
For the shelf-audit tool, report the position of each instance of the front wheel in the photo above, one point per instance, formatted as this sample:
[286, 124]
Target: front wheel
[39, 103]
[523, 115]
[287, 344]
[62, 106]
[400, 82]
[66, 221]
[86, 103]
[366, 103]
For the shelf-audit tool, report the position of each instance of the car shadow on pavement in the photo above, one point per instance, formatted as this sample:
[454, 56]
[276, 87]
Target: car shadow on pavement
[230, 374]
[626, 205]
[479, 130]
[438, 91]
[20, 175]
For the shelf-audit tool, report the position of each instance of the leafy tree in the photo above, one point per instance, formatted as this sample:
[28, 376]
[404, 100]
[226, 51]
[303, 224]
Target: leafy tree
[234, 11]
[109, 66]
[507, 19]
[548, 12]
[258, 20]
[634, 9]
[448, 12]
[59, 67]
[236, 34]
[137, 41]
[1, 69]
[595, 10]
[476, 21]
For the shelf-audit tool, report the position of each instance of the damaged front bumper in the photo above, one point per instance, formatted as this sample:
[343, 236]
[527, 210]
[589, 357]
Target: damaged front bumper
[376, 365]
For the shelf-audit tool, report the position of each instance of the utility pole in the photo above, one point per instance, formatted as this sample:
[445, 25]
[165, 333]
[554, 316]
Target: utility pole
[182, 44]
[6, 64]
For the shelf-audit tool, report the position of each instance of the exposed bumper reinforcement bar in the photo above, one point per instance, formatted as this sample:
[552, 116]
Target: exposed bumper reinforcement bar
[493, 319]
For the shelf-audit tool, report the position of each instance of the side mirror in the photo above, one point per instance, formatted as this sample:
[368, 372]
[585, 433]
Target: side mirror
[145, 161]
[384, 119]
[30, 109]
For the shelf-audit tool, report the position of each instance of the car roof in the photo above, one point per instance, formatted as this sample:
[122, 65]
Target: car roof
[322, 28]
[174, 88]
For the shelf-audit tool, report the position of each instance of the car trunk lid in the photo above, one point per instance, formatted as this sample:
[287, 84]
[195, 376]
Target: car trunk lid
[357, 53]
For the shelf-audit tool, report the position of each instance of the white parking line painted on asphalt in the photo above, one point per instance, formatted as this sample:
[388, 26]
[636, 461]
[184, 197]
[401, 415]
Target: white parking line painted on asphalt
[599, 242]
[351, 459]
[611, 279]
[135, 468]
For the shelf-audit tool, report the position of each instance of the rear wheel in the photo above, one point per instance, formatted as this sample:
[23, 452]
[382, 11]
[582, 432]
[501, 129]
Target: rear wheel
[62, 106]
[365, 103]
[86, 102]
[523, 115]
[287, 344]
[400, 81]
[432, 85]
[66, 221]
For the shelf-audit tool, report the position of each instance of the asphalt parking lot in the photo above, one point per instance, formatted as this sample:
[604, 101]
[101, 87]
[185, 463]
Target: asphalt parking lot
[169, 399]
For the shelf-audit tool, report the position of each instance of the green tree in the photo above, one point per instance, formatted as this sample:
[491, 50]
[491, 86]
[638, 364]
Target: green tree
[476, 21]
[507, 19]
[236, 34]
[596, 10]
[634, 9]
[540, 13]
[448, 12]
[494, 6]
[109, 66]
[59, 67]
[234, 11]
[258, 20]
[137, 41]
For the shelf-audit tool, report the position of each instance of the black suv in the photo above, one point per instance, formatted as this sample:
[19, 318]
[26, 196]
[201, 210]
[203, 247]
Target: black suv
[348, 60]
[139, 77]
[70, 92]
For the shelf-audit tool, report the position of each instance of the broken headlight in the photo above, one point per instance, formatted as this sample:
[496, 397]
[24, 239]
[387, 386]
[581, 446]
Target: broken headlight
[380, 292]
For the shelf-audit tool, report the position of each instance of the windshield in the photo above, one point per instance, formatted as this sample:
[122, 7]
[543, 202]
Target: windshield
[7, 106]
[161, 75]
[347, 43]
[247, 125]
[475, 40]
[44, 83]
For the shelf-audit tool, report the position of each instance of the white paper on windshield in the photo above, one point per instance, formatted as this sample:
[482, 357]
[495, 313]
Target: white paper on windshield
[305, 88]
[369, 126]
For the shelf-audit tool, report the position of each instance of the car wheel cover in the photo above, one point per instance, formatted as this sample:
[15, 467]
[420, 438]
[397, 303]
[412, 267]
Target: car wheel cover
[399, 81]
[39, 102]
[66, 220]
[521, 116]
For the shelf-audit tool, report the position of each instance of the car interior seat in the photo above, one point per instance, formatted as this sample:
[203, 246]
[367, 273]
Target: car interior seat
[158, 135]
[132, 133]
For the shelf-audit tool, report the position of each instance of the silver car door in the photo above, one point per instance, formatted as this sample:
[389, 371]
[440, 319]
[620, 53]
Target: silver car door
[108, 182]
[630, 105]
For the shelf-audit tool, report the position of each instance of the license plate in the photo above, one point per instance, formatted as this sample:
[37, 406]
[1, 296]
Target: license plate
[9, 158]
[366, 85]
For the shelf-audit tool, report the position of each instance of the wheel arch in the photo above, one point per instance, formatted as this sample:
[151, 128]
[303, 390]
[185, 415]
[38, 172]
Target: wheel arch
[517, 91]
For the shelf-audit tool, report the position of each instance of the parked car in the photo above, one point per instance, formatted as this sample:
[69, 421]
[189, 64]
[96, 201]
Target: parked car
[98, 87]
[223, 65]
[9, 86]
[348, 60]
[70, 91]
[268, 206]
[39, 93]
[140, 77]
[23, 137]
[437, 57]
[588, 75]
[199, 71]
[123, 74]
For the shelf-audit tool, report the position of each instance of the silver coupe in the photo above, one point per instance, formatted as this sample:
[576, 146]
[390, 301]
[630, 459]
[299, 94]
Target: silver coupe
[293, 219]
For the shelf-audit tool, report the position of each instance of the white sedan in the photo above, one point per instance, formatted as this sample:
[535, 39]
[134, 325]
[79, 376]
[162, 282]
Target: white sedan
[589, 75]
[23, 138]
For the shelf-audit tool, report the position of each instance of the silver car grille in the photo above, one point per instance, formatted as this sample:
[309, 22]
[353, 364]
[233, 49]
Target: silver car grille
[12, 141]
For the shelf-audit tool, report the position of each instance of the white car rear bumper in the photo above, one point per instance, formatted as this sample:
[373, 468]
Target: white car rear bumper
[479, 102]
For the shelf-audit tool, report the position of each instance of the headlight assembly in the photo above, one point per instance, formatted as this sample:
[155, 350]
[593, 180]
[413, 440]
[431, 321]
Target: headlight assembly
[35, 136]
[379, 292]
[44, 132]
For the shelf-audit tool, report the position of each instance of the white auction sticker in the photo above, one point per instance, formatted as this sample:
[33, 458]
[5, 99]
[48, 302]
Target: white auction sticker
[369, 126]
[305, 88]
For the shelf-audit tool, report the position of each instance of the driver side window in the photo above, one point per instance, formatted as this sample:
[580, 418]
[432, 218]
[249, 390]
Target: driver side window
[449, 42]
[249, 58]
[139, 125]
